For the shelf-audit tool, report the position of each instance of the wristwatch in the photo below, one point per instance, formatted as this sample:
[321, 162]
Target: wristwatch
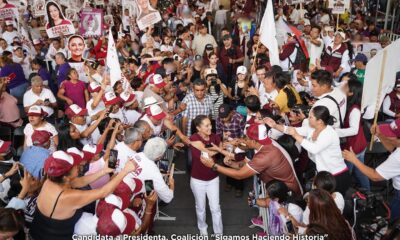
[214, 167]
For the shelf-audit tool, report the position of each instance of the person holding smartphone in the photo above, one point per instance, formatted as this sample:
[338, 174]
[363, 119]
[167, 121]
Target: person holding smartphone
[204, 181]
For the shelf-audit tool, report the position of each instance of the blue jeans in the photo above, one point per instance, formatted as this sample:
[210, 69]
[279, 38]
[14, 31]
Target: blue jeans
[362, 179]
[19, 90]
[395, 206]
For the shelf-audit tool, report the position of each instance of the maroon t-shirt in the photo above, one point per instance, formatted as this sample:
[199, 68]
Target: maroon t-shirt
[199, 171]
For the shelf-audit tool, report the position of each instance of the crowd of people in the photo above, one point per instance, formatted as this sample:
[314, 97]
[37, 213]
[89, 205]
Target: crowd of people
[82, 153]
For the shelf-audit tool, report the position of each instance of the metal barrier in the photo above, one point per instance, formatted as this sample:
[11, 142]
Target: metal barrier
[392, 37]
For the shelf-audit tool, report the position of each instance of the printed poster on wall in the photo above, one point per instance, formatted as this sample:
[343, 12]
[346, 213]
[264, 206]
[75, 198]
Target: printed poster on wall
[91, 22]
[57, 24]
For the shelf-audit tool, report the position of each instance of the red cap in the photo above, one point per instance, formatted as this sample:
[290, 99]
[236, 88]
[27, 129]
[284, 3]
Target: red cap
[129, 185]
[94, 87]
[114, 222]
[36, 111]
[113, 201]
[110, 98]
[259, 133]
[128, 98]
[90, 150]
[157, 81]
[76, 154]
[4, 146]
[156, 112]
[391, 129]
[40, 137]
[74, 110]
[58, 164]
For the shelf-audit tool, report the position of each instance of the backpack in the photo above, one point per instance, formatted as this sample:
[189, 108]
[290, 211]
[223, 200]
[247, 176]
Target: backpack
[300, 57]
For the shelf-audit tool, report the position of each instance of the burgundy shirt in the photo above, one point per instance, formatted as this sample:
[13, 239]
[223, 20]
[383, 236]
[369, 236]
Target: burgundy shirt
[75, 92]
[199, 171]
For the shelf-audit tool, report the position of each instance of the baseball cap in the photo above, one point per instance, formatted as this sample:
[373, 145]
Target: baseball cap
[128, 185]
[241, 70]
[157, 81]
[59, 163]
[94, 87]
[112, 201]
[224, 110]
[149, 101]
[40, 137]
[209, 47]
[110, 98]
[361, 58]
[90, 150]
[4, 146]
[114, 222]
[391, 129]
[210, 71]
[259, 133]
[156, 112]
[342, 34]
[76, 154]
[128, 98]
[226, 36]
[36, 41]
[74, 110]
[36, 111]
[9, 22]
[198, 58]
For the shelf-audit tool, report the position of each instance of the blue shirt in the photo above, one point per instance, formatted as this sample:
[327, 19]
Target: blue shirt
[62, 72]
[17, 70]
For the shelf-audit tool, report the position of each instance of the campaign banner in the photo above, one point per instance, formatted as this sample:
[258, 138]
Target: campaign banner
[64, 3]
[293, 2]
[70, 13]
[8, 11]
[147, 14]
[57, 24]
[39, 8]
[366, 48]
[91, 22]
[99, 2]
[80, 68]
[109, 20]
[339, 6]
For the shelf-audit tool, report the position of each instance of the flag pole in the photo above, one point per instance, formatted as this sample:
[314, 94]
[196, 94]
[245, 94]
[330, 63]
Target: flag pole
[337, 22]
[377, 104]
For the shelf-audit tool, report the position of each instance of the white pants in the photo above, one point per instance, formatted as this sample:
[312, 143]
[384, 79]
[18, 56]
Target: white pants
[200, 190]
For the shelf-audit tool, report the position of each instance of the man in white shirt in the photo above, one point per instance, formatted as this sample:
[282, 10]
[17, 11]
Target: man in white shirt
[266, 88]
[389, 135]
[220, 21]
[9, 34]
[147, 169]
[315, 44]
[55, 47]
[332, 98]
[202, 39]
[38, 95]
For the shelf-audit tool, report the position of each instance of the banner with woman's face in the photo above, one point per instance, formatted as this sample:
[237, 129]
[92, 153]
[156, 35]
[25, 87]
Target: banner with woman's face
[91, 22]
[7, 10]
[76, 47]
[39, 8]
[57, 24]
[147, 14]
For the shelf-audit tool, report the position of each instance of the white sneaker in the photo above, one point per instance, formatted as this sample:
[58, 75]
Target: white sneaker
[204, 232]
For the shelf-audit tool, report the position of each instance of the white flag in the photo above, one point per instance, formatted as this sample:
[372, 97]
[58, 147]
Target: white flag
[112, 60]
[372, 76]
[268, 33]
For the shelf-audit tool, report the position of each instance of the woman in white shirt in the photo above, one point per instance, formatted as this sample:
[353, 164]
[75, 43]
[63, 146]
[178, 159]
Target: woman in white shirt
[322, 143]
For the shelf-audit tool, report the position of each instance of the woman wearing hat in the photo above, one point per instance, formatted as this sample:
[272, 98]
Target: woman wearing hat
[240, 90]
[59, 206]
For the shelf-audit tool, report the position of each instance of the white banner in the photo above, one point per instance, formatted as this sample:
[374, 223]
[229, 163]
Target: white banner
[339, 6]
[373, 72]
[147, 14]
[39, 8]
[268, 34]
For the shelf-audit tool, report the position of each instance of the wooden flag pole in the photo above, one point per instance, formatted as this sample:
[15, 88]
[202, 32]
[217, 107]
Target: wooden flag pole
[255, 57]
[377, 104]
[337, 22]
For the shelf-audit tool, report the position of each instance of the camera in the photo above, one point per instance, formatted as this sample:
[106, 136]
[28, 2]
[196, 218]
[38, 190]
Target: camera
[300, 108]
[252, 199]
[231, 52]
[95, 65]
[213, 81]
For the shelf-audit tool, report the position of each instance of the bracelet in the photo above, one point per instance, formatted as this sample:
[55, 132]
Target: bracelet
[148, 213]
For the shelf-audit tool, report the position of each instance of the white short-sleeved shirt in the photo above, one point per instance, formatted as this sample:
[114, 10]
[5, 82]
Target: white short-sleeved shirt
[156, 129]
[390, 169]
[30, 98]
[131, 116]
[92, 139]
[28, 131]
[340, 98]
[93, 111]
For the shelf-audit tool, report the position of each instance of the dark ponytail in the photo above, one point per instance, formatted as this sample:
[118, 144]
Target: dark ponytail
[197, 122]
[281, 80]
[322, 113]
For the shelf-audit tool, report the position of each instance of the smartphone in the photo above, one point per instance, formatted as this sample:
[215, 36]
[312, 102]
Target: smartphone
[163, 166]
[289, 226]
[204, 155]
[12, 76]
[112, 162]
[47, 100]
[148, 185]
[209, 145]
